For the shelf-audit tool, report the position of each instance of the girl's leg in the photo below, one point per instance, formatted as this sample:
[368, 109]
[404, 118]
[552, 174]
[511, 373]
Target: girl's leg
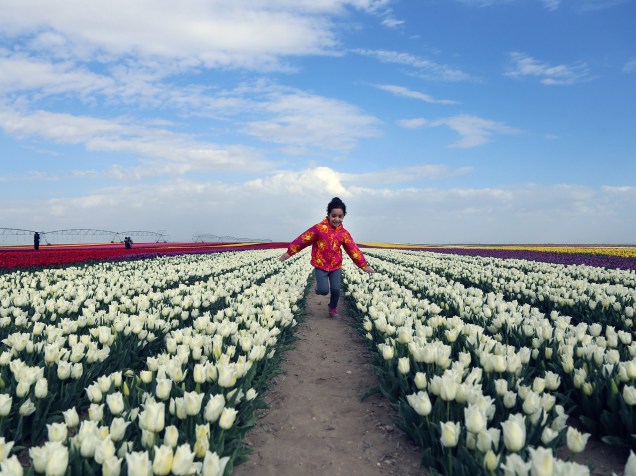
[334, 287]
[322, 281]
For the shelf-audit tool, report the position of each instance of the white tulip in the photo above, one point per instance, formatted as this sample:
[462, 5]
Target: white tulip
[576, 440]
[514, 432]
[450, 433]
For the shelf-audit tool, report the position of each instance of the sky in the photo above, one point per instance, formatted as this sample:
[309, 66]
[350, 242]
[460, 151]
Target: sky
[435, 121]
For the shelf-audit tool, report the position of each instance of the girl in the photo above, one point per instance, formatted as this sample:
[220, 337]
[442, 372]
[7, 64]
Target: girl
[326, 239]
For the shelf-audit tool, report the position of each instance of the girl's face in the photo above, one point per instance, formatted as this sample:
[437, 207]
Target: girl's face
[335, 217]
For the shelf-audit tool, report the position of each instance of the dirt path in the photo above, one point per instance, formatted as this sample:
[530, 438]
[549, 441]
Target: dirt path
[316, 423]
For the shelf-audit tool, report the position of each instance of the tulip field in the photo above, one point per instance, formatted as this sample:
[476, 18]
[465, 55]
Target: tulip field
[141, 367]
[485, 358]
[157, 363]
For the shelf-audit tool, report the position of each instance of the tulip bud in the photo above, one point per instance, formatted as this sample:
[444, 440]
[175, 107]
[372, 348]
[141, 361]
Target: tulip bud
[96, 412]
[162, 463]
[71, 418]
[183, 462]
[104, 382]
[226, 420]
[117, 429]
[629, 395]
[491, 461]
[576, 440]
[541, 462]
[94, 393]
[57, 432]
[510, 399]
[420, 402]
[213, 465]
[450, 434]
[387, 352]
[199, 374]
[404, 365]
[63, 370]
[140, 461]
[514, 432]
[548, 435]
[474, 419]
[630, 466]
[41, 388]
[420, 380]
[171, 436]
[5, 404]
[145, 376]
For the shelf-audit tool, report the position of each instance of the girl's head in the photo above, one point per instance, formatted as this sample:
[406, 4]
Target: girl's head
[336, 211]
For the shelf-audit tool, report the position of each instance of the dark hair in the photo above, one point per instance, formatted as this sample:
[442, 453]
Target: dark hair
[336, 203]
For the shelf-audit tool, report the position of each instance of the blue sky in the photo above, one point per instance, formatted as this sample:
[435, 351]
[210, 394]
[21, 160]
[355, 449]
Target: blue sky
[436, 121]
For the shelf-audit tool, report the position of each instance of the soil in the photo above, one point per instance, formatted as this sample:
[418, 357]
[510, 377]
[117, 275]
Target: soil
[318, 424]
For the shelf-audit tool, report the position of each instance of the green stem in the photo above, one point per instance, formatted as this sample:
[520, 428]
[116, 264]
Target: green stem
[18, 431]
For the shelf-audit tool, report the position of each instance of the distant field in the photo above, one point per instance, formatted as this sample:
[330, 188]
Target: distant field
[51, 255]
[628, 251]
[23, 256]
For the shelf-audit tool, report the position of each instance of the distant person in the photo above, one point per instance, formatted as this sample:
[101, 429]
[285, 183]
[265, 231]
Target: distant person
[128, 242]
[327, 238]
[36, 241]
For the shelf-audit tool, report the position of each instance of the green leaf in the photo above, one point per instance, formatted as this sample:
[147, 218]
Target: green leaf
[589, 423]
[371, 391]
[615, 441]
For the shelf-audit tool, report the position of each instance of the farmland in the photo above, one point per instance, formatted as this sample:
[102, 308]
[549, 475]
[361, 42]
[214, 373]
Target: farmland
[159, 362]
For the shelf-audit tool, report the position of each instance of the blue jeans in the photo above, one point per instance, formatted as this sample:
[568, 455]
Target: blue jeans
[328, 281]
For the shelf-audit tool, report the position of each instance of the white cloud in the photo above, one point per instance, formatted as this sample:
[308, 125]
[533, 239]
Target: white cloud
[389, 20]
[398, 175]
[282, 205]
[552, 5]
[20, 72]
[104, 135]
[31, 176]
[623, 189]
[392, 22]
[267, 111]
[630, 66]
[422, 67]
[596, 5]
[485, 3]
[308, 120]
[408, 93]
[413, 123]
[524, 65]
[37, 78]
[473, 130]
[237, 34]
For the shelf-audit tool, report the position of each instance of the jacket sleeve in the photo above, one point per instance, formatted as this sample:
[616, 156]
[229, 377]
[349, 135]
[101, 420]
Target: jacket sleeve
[303, 240]
[353, 251]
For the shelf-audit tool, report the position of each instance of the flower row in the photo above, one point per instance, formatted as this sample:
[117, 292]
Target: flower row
[479, 380]
[142, 367]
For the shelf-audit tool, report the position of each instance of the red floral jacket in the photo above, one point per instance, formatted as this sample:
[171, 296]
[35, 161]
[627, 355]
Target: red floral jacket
[326, 242]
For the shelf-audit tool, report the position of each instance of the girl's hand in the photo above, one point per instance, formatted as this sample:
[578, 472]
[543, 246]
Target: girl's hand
[368, 269]
[284, 256]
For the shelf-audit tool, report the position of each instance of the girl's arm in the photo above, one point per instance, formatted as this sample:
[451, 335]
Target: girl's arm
[355, 254]
[302, 241]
